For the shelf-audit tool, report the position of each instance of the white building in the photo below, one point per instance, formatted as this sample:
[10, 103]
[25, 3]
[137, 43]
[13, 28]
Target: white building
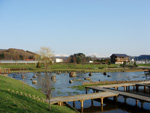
[59, 60]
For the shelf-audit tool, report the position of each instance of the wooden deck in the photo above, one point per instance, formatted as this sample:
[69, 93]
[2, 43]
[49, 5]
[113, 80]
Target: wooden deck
[81, 98]
[122, 93]
[125, 85]
[143, 84]
[106, 93]
[137, 97]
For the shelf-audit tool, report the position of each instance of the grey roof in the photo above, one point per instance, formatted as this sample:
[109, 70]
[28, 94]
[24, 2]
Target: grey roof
[120, 55]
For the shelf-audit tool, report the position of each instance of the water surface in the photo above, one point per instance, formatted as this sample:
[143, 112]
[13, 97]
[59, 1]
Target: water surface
[62, 87]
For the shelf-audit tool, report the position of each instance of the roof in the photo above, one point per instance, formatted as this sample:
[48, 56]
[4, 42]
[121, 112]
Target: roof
[120, 55]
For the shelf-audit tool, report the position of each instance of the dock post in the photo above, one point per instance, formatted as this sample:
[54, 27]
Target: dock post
[59, 103]
[125, 88]
[86, 90]
[136, 102]
[137, 88]
[81, 110]
[8, 70]
[144, 88]
[116, 88]
[102, 108]
[74, 104]
[101, 101]
[149, 89]
[133, 88]
[91, 102]
[93, 91]
[125, 100]
[115, 98]
[81, 103]
[141, 104]
[128, 88]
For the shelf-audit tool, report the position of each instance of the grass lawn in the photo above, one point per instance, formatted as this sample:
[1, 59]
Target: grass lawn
[16, 103]
[146, 65]
[68, 67]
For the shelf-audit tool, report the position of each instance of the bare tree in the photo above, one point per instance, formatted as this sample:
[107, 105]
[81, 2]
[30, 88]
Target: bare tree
[46, 87]
[46, 56]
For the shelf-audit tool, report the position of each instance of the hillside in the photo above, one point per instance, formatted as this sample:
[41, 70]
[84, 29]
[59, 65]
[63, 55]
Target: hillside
[16, 54]
[13, 99]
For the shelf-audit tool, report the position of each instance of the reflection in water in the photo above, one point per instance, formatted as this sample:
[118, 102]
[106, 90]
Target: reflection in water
[62, 87]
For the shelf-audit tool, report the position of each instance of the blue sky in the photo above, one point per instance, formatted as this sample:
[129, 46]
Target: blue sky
[93, 27]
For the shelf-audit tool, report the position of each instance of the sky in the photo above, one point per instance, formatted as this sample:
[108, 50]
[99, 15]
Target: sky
[92, 27]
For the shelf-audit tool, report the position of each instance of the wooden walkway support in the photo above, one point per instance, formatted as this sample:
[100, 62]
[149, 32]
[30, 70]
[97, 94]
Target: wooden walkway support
[125, 85]
[137, 97]
[4, 70]
[82, 98]
[143, 84]
[111, 82]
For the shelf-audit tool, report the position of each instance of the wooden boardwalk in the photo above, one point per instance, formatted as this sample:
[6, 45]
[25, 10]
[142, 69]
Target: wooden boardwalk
[122, 93]
[143, 84]
[125, 85]
[137, 97]
[82, 98]
[106, 93]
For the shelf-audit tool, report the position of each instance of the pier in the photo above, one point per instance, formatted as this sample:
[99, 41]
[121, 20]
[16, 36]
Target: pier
[137, 97]
[143, 84]
[82, 98]
[106, 91]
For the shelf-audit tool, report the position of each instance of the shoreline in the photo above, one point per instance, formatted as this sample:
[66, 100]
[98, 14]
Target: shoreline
[80, 70]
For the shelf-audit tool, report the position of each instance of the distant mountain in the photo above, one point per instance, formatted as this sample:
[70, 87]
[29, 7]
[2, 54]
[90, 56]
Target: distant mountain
[142, 57]
[16, 54]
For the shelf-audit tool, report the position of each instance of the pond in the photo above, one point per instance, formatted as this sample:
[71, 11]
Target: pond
[62, 87]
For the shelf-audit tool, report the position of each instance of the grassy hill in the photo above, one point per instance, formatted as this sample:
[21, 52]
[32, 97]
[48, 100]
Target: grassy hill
[10, 102]
[16, 54]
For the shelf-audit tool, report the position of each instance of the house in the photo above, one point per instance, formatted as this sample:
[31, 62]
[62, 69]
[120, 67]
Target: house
[59, 60]
[119, 58]
[91, 61]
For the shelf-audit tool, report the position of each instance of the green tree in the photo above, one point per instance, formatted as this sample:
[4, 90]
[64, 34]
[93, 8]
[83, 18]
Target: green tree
[124, 63]
[135, 65]
[2, 56]
[109, 63]
[77, 58]
[38, 65]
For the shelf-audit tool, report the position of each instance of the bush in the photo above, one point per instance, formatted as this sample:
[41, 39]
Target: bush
[100, 67]
[38, 65]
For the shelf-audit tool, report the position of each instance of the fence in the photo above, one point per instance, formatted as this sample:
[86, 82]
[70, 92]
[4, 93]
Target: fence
[16, 61]
[4, 70]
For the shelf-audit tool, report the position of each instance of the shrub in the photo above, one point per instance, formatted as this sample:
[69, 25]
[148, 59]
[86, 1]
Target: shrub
[38, 65]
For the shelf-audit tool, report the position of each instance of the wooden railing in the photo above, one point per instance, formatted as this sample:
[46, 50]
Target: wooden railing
[4, 70]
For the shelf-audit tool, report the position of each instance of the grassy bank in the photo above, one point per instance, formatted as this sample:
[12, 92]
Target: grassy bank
[69, 68]
[16, 103]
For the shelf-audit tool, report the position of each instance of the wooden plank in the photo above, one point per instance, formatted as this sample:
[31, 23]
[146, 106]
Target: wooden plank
[126, 94]
[124, 84]
[143, 84]
[82, 97]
